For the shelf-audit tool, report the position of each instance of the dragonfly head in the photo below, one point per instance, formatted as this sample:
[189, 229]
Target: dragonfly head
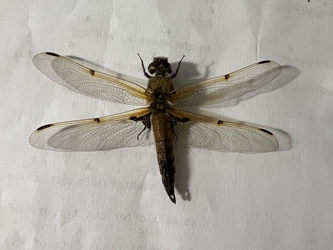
[160, 66]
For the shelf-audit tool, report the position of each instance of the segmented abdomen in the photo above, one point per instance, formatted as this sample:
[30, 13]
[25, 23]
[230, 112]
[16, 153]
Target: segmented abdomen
[164, 148]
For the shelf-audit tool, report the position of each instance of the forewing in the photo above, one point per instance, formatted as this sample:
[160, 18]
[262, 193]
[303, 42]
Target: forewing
[89, 82]
[230, 86]
[121, 130]
[193, 130]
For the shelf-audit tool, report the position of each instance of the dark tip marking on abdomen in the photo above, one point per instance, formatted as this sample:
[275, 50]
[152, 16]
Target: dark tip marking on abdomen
[92, 72]
[52, 54]
[266, 131]
[227, 76]
[266, 61]
[220, 122]
[97, 120]
[45, 126]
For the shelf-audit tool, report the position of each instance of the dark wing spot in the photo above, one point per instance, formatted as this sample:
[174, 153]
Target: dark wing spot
[175, 120]
[266, 131]
[133, 118]
[97, 120]
[220, 122]
[52, 54]
[92, 72]
[45, 126]
[266, 61]
[185, 119]
[227, 76]
[144, 119]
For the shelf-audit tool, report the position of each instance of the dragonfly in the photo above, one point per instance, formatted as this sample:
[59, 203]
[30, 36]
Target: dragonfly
[160, 112]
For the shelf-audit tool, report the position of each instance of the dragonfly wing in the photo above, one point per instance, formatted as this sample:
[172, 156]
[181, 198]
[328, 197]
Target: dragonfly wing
[121, 130]
[193, 130]
[227, 87]
[92, 83]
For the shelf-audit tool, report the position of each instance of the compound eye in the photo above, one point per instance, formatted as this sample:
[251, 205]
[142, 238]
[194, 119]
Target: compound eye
[151, 69]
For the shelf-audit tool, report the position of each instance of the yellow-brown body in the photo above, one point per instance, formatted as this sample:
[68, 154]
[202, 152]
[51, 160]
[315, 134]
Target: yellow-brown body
[164, 149]
[160, 87]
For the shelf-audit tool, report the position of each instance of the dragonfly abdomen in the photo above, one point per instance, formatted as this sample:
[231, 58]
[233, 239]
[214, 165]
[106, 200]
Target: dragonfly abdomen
[164, 148]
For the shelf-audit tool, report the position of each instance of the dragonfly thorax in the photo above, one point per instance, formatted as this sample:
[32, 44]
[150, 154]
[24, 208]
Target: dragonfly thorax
[160, 101]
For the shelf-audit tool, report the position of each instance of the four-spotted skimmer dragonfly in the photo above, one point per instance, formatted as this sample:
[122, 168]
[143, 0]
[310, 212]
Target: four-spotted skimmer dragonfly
[169, 124]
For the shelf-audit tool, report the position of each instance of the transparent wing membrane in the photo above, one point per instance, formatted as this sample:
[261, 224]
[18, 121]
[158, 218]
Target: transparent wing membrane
[227, 87]
[193, 130]
[88, 82]
[115, 131]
